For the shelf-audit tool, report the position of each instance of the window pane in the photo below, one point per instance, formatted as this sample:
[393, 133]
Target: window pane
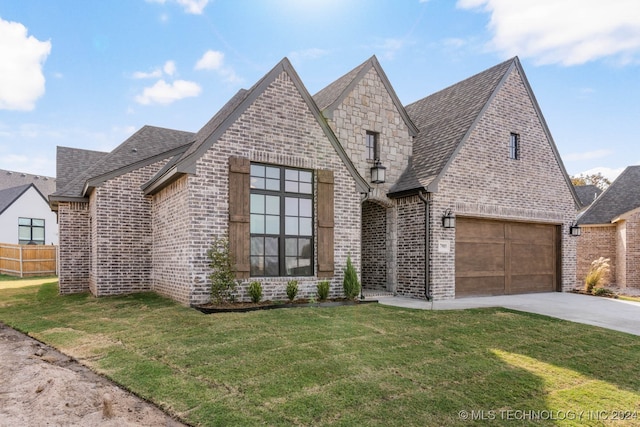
[305, 188]
[257, 266]
[271, 266]
[272, 205]
[257, 183]
[257, 170]
[273, 184]
[305, 227]
[273, 225]
[257, 203]
[305, 207]
[257, 224]
[37, 222]
[292, 247]
[291, 186]
[304, 268]
[291, 226]
[291, 206]
[38, 234]
[271, 246]
[257, 246]
[291, 175]
[292, 266]
[24, 221]
[305, 176]
[24, 233]
[304, 247]
[273, 173]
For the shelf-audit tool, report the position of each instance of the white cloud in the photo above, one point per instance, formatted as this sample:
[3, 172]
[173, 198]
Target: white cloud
[169, 68]
[21, 60]
[588, 155]
[165, 93]
[608, 173]
[195, 7]
[214, 60]
[568, 32]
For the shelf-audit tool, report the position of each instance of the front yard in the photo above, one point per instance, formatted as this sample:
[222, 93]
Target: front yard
[357, 365]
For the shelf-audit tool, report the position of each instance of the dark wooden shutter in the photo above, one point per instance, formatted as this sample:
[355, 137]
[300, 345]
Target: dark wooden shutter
[325, 224]
[239, 192]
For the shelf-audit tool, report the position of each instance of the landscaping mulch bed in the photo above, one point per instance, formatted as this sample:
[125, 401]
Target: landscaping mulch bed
[243, 307]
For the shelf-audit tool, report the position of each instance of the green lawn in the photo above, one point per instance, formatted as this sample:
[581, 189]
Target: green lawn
[357, 365]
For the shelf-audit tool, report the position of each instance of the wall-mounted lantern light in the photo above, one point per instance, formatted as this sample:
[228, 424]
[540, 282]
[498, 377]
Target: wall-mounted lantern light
[575, 230]
[378, 173]
[448, 219]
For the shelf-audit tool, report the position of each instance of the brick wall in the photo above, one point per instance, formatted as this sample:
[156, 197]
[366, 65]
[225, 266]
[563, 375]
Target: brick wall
[278, 128]
[482, 181]
[374, 246]
[410, 263]
[633, 251]
[596, 242]
[74, 250]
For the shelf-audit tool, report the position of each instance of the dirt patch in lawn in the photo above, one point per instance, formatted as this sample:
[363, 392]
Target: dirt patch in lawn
[41, 386]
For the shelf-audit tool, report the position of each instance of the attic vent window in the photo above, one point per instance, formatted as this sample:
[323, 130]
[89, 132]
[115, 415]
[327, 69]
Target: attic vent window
[514, 146]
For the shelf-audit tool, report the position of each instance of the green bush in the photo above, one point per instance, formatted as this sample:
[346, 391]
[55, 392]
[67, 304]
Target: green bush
[323, 290]
[350, 283]
[255, 291]
[598, 271]
[292, 289]
[223, 280]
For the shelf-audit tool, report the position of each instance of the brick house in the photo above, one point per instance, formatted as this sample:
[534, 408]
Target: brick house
[611, 229]
[290, 179]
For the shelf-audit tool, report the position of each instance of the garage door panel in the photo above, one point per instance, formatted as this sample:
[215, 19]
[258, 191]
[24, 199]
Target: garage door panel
[480, 257]
[499, 257]
[474, 286]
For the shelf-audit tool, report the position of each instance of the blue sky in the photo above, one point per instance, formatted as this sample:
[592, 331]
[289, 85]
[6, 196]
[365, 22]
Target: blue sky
[89, 73]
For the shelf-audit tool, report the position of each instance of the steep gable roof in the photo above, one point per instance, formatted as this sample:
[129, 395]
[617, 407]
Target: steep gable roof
[445, 120]
[329, 98]
[623, 195]
[146, 146]
[230, 112]
[8, 196]
[587, 193]
[71, 162]
[45, 184]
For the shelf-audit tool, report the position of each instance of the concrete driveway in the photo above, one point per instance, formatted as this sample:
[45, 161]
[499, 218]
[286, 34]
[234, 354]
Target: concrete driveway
[604, 312]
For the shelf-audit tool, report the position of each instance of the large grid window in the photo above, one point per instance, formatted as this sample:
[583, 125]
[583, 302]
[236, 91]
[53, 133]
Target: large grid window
[514, 146]
[30, 231]
[281, 208]
[371, 145]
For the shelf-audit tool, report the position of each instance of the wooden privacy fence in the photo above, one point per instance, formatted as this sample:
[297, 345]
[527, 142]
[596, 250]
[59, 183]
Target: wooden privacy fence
[28, 260]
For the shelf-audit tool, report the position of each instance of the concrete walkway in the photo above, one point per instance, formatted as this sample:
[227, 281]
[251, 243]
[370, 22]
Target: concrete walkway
[607, 313]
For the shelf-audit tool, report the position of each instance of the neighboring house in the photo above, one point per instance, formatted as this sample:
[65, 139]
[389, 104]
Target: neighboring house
[25, 215]
[587, 194]
[292, 181]
[611, 229]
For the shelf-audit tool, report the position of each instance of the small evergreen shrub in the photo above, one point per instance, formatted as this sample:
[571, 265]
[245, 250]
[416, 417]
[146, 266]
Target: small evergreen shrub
[323, 290]
[223, 280]
[255, 291]
[598, 271]
[350, 283]
[292, 289]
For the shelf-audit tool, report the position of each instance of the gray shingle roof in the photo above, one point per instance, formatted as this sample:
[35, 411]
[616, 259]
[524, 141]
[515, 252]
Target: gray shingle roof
[71, 162]
[623, 195]
[443, 119]
[10, 195]
[143, 147]
[587, 193]
[45, 184]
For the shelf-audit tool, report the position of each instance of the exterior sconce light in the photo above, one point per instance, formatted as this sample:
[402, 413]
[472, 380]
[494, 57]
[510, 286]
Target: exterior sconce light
[378, 173]
[448, 219]
[575, 230]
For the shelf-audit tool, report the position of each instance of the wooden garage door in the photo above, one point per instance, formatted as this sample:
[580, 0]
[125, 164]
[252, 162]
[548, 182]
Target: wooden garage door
[496, 257]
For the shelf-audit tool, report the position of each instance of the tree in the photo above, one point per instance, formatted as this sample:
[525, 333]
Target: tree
[596, 179]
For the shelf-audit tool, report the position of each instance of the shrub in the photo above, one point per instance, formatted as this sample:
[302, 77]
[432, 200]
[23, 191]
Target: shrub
[255, 291]
[597, 272]
[603, 292]
[223, 281]
[323, 290]
[292, 289]
[350, 283]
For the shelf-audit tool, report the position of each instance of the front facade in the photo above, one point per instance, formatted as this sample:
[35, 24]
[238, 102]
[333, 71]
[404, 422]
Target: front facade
[290, 180]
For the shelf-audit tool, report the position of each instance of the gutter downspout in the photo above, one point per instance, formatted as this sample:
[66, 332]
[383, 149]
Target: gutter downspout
[427, 249]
